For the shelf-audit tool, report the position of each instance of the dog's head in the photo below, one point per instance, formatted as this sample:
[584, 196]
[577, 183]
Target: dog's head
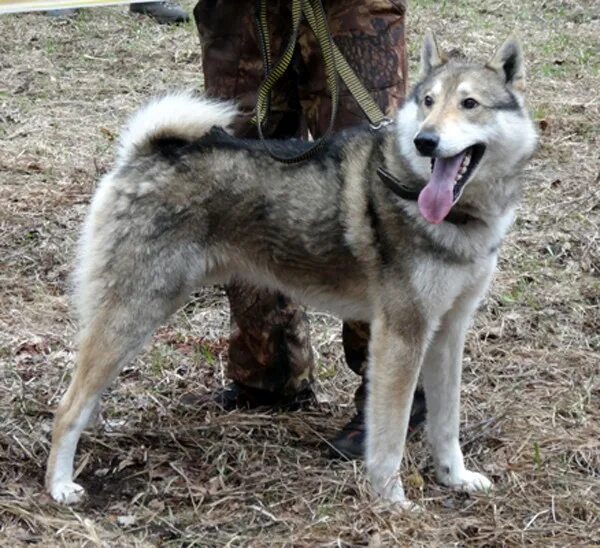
[465, 123]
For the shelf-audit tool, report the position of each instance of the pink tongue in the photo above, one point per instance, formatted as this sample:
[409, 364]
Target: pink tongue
[435, 200]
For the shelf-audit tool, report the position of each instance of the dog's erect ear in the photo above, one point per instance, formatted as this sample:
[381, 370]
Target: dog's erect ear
[431, 55]
[508, 63]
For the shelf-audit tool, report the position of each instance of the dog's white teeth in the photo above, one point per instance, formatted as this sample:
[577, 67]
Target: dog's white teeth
[462, 170]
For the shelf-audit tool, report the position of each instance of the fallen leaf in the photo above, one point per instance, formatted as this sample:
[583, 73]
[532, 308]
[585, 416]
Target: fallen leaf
[415, 480]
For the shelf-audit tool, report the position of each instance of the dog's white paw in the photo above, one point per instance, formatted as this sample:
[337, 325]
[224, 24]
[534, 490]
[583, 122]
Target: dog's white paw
[67, 492]
[409, 506]
[467, 481]
[391, 490]
[396, 496]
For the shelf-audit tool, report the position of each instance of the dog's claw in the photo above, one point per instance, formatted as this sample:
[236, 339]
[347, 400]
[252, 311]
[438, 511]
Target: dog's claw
[67, 493]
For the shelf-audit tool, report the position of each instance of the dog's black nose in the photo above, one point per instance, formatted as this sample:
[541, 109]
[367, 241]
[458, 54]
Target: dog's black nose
[426, 142]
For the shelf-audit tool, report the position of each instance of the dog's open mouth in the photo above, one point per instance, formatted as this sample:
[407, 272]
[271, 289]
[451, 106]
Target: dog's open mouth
[448, 179]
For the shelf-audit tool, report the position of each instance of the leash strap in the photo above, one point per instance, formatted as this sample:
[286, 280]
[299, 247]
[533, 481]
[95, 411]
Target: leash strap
[394, 185]
[335, 64]
[274, 73]
[363, 98]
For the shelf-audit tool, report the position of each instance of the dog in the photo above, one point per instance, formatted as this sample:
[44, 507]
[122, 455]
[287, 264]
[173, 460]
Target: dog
[398, 227]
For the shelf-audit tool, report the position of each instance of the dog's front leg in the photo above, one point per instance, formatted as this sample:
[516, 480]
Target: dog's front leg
[441, 379]
[395, 357]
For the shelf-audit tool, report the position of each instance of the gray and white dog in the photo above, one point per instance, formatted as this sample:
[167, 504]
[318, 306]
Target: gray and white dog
[398, 227]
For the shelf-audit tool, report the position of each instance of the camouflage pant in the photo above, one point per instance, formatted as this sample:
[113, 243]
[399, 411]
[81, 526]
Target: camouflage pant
[269, 344]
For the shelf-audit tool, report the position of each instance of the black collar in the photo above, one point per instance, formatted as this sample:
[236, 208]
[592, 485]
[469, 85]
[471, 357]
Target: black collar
[394, 185]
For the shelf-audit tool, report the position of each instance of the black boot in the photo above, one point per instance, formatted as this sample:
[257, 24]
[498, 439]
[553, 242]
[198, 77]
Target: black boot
[165, 13]
[350, 442]
[237, 396]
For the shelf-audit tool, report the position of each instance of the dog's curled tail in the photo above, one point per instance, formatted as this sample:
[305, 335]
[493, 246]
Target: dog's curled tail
[177, 116]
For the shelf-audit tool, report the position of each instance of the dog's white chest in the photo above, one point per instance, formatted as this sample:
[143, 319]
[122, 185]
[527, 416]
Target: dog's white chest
[437, 285]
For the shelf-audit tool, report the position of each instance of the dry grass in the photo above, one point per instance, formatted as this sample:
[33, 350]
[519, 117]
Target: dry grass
[163, 473]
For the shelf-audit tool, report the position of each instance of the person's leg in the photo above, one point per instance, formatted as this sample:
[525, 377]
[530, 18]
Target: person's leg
[269, 346]
[270, 355]
[370, 34]
[233, 67]
[165, 13]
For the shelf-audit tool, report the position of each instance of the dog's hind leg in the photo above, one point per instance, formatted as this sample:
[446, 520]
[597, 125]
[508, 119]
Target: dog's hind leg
[396, 350]
[441, 378]
[98, 363]
[117, 323]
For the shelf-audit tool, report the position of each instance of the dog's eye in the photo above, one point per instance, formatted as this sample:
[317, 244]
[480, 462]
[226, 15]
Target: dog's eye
[469, 103]
[428, 101]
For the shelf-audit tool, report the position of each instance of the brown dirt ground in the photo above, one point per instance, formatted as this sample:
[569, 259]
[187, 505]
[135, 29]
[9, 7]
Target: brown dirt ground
[163, 473]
